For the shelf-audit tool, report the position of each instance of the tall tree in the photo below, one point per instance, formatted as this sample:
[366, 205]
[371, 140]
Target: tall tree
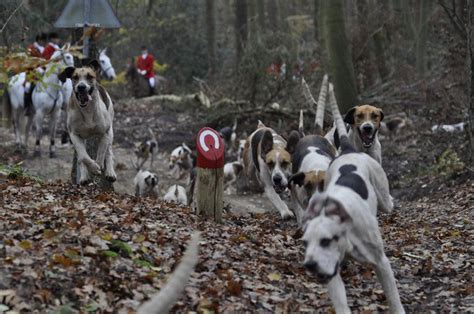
[273, 14]
[241, 28]
[378, 37]
[252, 17]
[470, 47]
[421, 41]
[211, 36]
[261, 14]
[340, 60]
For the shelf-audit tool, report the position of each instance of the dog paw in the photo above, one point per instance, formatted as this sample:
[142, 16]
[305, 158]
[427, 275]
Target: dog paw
[84, 177]
[287, 214]
[85, 181]
[94, 168]
[111, 176]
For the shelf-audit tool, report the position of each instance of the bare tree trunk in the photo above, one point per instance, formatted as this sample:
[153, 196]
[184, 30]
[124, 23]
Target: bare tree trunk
[340, 60]
[252, 20]
[379, 38]
[365, 58]
[211, 37]
[316, 21]
[425, 9]
[240, 27]
[273, 14]
[261, 14]
[470, 47]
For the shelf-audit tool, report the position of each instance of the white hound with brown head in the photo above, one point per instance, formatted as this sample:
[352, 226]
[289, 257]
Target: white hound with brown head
[343, 219]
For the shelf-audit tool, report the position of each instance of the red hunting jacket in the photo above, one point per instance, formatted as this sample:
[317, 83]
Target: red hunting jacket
[146, 65]
[49, 50]
[34, 51]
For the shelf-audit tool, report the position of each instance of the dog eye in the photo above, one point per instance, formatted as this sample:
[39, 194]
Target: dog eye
[285, 164]
[75, 77]
[374, 115]
[89, 77]
[336, 238]
[325, 242]
[360, 116]
[271, 164]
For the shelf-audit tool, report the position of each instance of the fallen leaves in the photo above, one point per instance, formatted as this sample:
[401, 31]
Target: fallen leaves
[74, 249]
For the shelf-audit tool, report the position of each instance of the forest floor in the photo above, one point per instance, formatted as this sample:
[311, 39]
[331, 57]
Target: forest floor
[68, 248]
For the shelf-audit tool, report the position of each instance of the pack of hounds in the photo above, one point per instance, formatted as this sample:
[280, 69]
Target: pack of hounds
[335, 181]
[332, 183]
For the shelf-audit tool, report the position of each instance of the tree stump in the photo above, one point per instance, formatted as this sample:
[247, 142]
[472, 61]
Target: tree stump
[209, 189]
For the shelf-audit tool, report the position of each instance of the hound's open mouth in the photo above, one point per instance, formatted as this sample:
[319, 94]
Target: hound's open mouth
[324, 279]
[367, 139]
[279, 189]
[84, 97]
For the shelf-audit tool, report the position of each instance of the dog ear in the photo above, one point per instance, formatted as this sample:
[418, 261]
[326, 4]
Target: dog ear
[293, 140]
[67, 73]
[381, 114]
[94, 64]
[349, 117]
[237, 168]
[266, 144]
[334, 208]
[313, 210]
[321, 180]
[297, 178]
[147, 179]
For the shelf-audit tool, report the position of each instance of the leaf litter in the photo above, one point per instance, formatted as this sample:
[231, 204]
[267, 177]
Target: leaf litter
[71, 249]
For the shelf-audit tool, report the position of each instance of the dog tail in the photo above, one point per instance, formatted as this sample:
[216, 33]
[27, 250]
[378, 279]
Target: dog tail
[166, 298]
[300, 125]
[320, 104]
[319, 119]
[135, 165]
[234, 127]
[153, 137]
[340, 126]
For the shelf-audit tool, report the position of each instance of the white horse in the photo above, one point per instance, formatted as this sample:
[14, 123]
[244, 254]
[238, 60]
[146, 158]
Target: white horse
[48, 99]
[16, 90]
[106, 68]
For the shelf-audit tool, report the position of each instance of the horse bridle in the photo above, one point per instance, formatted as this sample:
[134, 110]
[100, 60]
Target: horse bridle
[104, 71]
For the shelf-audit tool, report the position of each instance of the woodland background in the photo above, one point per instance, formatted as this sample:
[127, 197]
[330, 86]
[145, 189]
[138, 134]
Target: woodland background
[406, 56]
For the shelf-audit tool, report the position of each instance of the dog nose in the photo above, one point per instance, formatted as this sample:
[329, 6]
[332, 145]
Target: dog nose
[81, 88]
[312, 266]
[367, 128]
[277, 179]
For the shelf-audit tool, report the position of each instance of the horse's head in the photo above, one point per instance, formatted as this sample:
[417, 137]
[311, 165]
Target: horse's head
[63, 56]
[106, 66]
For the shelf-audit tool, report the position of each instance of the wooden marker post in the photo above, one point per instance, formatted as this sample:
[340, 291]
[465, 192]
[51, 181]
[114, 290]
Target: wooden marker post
[210, 174]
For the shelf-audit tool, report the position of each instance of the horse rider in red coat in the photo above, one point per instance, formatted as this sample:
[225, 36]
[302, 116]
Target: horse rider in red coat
[145, 67]
[52, 46]
[36, 49]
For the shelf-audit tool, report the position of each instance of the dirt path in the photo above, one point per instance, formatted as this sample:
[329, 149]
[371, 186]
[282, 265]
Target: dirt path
[52, 169]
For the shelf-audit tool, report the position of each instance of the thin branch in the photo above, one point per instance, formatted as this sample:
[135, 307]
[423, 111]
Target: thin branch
[10, 17]
[455, 19]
